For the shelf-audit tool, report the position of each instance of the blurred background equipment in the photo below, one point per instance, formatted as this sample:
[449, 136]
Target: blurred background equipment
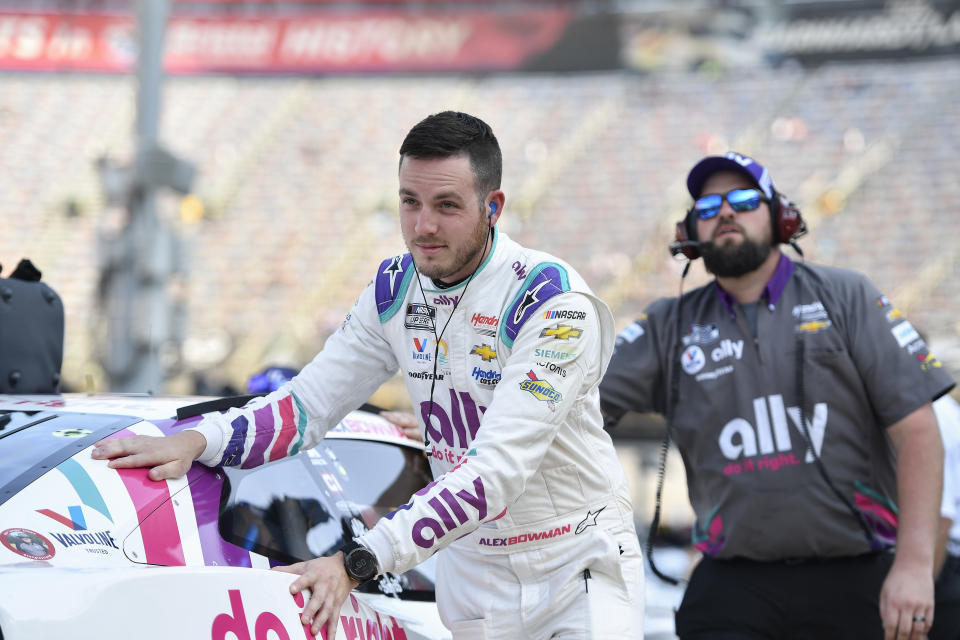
[139, 260]
[31, 333]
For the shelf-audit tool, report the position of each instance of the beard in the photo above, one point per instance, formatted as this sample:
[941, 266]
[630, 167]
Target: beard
[463, 256]
[728, 261]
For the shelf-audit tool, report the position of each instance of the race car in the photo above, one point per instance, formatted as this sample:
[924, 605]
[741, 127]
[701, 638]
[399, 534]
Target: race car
[87, 551]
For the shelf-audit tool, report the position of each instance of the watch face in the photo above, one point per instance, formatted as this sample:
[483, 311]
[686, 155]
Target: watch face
[361, 564]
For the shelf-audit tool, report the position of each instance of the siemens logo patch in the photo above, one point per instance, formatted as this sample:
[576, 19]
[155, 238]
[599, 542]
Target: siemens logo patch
[552, 354]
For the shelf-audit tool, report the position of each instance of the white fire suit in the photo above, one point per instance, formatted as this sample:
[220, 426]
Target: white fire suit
[529, 497]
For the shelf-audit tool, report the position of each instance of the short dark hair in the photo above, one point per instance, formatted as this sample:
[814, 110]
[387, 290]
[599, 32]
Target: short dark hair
[449, 133]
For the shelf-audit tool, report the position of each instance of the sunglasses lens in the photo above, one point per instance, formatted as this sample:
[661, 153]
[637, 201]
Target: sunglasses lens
[708, 206]
[744, 199]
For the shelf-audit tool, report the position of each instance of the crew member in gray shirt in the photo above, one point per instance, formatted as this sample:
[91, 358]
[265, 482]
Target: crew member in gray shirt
[800, 400]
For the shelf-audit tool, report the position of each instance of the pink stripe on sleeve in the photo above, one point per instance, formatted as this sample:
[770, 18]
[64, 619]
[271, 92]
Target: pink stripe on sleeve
[288, 429]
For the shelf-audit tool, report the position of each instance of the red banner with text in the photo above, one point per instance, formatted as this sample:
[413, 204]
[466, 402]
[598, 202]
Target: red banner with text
[317, 43]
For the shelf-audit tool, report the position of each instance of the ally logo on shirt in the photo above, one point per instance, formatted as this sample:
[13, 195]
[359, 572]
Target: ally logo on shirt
[766, 443]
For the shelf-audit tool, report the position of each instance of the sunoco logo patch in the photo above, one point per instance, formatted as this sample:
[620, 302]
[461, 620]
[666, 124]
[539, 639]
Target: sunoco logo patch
[541, 390]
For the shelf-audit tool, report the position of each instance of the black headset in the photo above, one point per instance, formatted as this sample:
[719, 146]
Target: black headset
[785, 220]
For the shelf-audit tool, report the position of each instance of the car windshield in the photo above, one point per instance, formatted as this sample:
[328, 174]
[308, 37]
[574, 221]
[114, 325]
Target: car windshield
[33, 442]
[309, 505]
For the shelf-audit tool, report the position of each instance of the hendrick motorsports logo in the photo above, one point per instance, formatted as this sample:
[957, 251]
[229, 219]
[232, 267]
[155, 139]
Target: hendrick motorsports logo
[541, 390]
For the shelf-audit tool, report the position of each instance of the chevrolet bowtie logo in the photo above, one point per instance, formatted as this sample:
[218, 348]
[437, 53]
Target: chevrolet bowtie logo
[561, 332]
[484, 352]
[812, 326]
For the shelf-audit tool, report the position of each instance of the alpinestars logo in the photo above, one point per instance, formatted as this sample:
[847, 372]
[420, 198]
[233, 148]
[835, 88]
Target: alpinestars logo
[529, 299]
[589, 521]
[393, 269]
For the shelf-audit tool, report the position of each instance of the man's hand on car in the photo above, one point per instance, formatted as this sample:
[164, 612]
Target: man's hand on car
[406, 422]
[329, 587]
[168, 457]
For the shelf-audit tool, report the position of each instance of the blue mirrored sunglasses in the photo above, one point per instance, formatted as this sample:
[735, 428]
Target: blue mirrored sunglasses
[740, 200]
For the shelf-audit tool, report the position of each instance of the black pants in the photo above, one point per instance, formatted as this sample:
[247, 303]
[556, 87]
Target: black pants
[837, 599]
[946, 611]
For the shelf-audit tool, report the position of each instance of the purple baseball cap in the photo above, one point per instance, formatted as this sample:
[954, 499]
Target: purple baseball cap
[729, 161]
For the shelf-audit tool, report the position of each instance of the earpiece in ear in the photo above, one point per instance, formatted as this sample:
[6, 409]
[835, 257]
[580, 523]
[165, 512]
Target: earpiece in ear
[493, 209]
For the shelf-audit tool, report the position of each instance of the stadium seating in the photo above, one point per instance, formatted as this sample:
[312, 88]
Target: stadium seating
[298, 177]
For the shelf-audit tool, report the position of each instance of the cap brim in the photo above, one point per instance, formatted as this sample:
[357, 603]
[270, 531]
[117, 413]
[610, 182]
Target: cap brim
[711, 165]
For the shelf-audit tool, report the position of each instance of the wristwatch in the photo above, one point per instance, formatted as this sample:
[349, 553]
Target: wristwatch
[359, 562]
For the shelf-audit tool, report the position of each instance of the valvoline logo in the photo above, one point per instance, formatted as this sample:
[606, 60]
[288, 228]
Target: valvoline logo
[423, 353]
[74, 520]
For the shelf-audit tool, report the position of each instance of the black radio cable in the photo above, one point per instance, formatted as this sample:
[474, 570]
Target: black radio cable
[673, 399]
[433, 327]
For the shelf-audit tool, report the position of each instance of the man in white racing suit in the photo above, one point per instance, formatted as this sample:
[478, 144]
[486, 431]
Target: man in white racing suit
[502, 349]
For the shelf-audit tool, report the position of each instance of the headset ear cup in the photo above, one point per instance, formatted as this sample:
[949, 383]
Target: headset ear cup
[683, 235]
[787, 220]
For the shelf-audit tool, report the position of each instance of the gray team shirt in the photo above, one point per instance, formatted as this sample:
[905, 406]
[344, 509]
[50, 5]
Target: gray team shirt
[752, 477]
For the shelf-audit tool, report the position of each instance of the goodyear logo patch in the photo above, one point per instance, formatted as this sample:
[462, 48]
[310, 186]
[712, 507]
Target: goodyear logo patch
[561, 332]
[541, 390]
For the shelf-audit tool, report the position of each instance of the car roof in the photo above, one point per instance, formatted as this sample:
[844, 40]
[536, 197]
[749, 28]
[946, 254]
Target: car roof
[357, 424]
